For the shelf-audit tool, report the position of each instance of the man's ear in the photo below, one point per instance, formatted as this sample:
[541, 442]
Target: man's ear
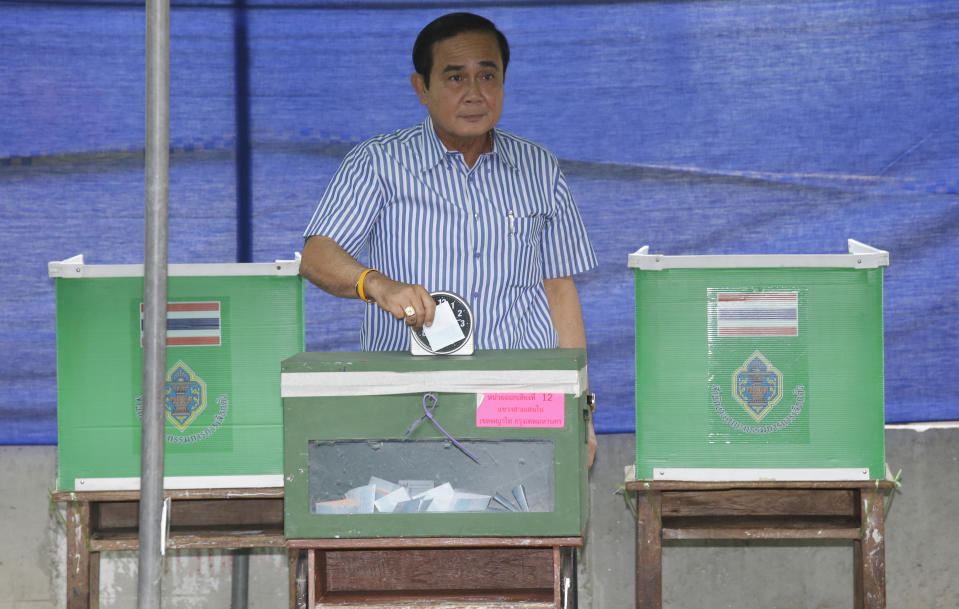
[419, 85]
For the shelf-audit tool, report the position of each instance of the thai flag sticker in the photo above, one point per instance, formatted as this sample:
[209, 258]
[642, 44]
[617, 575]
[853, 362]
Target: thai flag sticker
[757, 314]
[190, 324]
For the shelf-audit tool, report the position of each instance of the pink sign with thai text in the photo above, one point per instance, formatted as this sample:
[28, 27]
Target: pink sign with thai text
[520, 410]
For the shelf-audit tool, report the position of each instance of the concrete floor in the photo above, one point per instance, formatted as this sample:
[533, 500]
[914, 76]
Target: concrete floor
[922, 547]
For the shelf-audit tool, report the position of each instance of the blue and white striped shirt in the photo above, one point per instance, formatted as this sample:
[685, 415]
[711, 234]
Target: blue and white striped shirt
[490, 234]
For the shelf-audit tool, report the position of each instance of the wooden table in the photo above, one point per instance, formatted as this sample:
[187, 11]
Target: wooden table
[100, 521]
[447, 572]
[762, 510]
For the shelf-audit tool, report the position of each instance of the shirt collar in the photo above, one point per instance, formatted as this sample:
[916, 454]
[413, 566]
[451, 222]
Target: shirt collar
[434, 151]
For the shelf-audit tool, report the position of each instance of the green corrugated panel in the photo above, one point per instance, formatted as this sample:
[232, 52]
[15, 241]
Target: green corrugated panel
[230, 423]
[710, 394]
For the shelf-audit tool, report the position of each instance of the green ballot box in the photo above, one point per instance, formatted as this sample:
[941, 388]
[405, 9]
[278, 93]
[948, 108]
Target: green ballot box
[759, 367]
[388, 444]
[228, 328]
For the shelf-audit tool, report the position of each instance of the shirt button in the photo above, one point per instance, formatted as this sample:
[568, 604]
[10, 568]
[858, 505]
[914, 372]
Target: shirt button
[476, 255]
[476, 215]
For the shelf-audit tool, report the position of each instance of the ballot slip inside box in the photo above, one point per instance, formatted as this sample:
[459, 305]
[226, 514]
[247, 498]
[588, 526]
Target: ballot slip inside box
[228, 328]
[388, 444]
[765, 367]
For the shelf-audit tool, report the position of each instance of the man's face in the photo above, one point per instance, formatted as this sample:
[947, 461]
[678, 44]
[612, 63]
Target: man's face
[465, 96]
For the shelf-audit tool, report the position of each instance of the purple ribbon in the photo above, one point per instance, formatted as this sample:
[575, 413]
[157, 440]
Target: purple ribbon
[428, 414]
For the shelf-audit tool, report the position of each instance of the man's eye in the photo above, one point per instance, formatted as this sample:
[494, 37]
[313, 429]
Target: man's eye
[455, 77]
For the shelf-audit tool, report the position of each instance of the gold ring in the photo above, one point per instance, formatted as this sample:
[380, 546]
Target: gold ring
[410, 311]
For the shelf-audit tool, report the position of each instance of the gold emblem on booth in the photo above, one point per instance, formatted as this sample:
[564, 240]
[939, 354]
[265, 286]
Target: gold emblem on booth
[185, 395]
[757, 385]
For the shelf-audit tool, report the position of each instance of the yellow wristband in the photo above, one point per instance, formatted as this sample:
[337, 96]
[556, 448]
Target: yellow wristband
[359, 286]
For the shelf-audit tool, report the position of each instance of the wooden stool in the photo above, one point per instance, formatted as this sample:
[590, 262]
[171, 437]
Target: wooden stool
[448, 572]
[100, 521]
[762, 510]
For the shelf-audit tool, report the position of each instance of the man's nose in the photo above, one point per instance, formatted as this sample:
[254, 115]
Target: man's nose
[473, 91]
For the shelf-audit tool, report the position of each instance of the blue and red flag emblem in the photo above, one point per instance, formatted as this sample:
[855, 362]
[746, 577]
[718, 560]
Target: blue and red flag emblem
[757, 314]
[190, 324]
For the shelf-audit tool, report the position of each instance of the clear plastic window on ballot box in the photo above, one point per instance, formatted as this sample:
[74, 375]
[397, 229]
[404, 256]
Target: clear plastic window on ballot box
[436, 475]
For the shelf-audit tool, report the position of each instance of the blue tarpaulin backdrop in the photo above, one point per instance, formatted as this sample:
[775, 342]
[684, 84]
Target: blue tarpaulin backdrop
[698, 127]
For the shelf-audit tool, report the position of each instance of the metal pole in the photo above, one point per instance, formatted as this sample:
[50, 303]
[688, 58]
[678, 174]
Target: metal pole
[244, 146]
[241, 573]
[244, 220]
[157, 167]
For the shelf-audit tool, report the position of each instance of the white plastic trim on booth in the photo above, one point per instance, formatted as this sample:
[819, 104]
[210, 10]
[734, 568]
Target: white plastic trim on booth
[181, 482]
[309, 384]
[860, 256]
[75, 268]
[717, 474]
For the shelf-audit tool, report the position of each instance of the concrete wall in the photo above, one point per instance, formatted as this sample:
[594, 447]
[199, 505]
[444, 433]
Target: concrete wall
[922, 547]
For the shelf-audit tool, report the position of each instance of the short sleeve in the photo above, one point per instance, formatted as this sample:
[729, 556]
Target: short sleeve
[566, 248]
[350, 204]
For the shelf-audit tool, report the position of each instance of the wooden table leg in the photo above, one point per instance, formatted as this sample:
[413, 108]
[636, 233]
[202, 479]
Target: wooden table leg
[295, 562]
[565, 578]
[316, 577]
[869, 558]
[557, 578]
[649, 551]
[80, 594]
[94, 580]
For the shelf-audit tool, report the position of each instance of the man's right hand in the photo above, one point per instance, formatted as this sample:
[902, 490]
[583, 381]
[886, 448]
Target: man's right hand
[331, 268]
[395, 297]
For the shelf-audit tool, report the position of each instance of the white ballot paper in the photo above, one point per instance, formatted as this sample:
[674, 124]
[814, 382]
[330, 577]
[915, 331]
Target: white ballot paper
[441, 496]
[381, 487]
[409, 496]
[445, 330]
[364, 496]
[389, 502]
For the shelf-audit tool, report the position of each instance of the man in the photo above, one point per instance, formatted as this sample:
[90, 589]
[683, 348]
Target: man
[454, 204]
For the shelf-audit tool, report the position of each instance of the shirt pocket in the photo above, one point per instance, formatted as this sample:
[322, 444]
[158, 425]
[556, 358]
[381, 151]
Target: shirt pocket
[527, 228]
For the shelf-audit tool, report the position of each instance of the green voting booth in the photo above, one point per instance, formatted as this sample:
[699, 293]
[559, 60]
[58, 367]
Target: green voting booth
[388, 444]
[765, 367]
[228, 328]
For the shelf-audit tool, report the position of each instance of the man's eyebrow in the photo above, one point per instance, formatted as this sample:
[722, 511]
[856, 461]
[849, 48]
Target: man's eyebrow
[487, 63]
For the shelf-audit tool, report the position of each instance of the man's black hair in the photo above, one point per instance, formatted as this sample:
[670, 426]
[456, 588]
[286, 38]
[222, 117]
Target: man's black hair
[448, 26]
